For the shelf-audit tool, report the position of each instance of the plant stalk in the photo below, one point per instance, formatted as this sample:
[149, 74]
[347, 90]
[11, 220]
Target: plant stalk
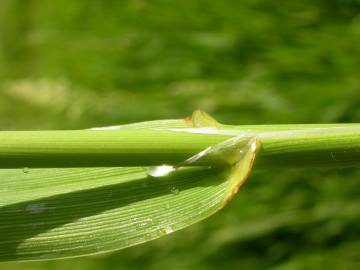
[281, 146]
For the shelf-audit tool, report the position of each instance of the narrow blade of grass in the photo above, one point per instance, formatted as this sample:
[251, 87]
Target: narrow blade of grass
[54, 213]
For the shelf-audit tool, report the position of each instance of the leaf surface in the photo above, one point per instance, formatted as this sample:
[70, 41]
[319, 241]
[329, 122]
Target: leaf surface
[49, 213]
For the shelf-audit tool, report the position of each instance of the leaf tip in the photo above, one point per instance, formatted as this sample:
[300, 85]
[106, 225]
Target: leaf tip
[240, 171]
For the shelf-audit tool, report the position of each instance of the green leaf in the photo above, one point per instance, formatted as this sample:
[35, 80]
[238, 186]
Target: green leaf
[94, 207]
[49, 213]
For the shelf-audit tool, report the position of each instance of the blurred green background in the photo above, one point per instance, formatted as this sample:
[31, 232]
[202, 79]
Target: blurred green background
[78, 64]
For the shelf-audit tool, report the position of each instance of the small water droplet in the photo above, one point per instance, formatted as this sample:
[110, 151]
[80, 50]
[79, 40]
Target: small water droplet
[146, 222]
[36, 208]
[168, 230]
[159, 171]
[163, 230]
[26, 170]
[142, 223]
[148, 236]
[167, 206]
[174, 190]
[134, 220]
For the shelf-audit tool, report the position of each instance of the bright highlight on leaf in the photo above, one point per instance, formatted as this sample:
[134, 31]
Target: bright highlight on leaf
[48, 213]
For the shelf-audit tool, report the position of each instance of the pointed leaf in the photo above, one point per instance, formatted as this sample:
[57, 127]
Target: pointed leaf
[56, 213]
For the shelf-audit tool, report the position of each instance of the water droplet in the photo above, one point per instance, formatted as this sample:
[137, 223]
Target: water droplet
[145, 222]
[168, 230]
[167, 206]
[142, 223]
[36, 208]
[163, 230]
[26, 170]
[148, 236]
[159, 171]
[174, 190]
[134, 220]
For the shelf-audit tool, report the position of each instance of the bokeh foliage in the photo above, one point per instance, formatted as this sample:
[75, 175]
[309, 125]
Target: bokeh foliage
[78, 64]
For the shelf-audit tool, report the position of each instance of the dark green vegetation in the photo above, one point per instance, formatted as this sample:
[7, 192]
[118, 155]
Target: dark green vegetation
[78, 64]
